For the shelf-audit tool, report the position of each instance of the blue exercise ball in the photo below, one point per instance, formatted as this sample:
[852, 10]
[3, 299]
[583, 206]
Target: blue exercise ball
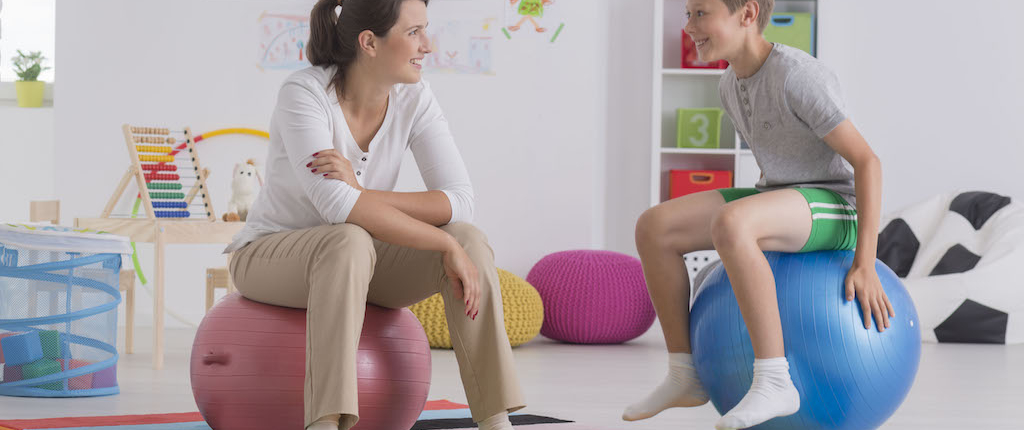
[849, 377]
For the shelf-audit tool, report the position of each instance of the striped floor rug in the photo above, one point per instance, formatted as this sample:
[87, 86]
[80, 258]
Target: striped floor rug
[438, 415]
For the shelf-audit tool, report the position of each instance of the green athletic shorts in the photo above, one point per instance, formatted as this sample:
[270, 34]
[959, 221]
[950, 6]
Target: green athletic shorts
[833, 224]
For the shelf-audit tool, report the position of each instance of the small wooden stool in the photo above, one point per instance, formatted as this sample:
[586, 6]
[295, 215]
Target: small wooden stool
[217, 277]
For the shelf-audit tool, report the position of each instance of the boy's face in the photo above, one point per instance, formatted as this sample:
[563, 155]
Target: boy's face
[714, 30]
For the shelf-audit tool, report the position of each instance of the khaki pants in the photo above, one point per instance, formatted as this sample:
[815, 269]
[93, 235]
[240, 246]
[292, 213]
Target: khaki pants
[334, 270]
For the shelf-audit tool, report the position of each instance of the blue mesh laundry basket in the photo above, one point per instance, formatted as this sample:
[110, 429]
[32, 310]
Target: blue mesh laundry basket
[58, 310]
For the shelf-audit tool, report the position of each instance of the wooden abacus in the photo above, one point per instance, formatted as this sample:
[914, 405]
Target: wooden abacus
[160, 160]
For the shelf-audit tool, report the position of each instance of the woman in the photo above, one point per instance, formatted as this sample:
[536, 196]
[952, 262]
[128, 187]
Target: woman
[327, 233]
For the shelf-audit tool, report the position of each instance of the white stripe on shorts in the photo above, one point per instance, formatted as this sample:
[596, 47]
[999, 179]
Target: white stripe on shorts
[834, 216]
[831, 206]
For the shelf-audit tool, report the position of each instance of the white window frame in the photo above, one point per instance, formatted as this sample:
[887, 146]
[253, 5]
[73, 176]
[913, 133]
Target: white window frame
[8, 95]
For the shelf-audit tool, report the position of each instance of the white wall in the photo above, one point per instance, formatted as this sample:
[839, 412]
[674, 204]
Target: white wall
[627, 169]
[26, 159]
[936, 87]
[532, 136]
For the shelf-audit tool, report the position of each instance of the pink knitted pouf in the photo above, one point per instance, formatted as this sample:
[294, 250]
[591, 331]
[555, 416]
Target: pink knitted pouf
[592, 296]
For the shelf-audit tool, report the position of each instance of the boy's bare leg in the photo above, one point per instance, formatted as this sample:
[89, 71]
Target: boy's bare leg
[663, 234]
[742, 230]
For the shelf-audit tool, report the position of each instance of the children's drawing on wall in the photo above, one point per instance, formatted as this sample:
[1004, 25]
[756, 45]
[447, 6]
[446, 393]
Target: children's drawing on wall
[532, 18]
[282, 41]
[461, 46]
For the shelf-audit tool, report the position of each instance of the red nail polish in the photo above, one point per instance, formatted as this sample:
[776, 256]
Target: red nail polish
[314, 170]
[314, 154]
[325, 174]
[309, 164]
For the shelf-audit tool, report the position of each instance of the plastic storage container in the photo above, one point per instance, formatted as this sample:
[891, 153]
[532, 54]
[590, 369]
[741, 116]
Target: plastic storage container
[683, 182]
[698, 128]
[58, 310]
[793, 29]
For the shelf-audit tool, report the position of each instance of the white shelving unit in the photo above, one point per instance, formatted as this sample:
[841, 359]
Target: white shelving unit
[674, 88]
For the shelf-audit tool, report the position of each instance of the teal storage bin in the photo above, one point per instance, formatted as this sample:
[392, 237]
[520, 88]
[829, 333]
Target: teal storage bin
[792, 29]
[698, 127]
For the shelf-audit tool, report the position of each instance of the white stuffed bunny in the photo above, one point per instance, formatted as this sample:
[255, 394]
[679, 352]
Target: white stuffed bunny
[245, 183]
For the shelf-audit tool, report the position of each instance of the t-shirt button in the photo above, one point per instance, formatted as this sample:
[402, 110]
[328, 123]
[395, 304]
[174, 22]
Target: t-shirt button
[360, 173]
[748, 112]
[364, 158]
[746, 101]
[743, 87]
[767, 126]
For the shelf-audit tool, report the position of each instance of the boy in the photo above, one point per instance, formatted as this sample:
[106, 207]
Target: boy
[786, 104]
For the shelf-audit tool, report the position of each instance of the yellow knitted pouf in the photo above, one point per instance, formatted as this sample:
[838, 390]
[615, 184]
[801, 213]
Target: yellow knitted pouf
[524, 313]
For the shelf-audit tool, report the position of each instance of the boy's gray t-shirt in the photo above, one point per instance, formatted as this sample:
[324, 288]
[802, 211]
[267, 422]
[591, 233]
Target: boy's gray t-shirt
[783, 112]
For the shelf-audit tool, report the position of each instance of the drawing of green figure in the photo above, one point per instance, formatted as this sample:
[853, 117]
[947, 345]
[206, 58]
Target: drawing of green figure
[530, 9]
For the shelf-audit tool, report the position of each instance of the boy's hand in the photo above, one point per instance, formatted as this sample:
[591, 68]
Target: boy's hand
[863, 281]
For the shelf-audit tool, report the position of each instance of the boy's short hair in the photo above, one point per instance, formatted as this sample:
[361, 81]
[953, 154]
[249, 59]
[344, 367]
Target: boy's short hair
[763, 16]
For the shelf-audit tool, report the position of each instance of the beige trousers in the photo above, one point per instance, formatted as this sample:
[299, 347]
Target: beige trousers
[334, 270]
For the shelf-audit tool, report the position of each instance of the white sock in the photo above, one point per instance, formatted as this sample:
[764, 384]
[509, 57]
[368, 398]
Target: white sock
[329, 422]
[681, 388]
[771, 395]
[498, 421]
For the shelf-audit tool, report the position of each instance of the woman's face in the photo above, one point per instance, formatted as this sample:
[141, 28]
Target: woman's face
[401, 51]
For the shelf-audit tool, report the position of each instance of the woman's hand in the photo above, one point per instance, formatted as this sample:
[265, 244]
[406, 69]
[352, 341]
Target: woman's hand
[464, 278]
[330, 164]
[863, 281]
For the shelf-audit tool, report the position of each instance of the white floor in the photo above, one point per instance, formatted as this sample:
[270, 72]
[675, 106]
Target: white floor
[958, 386]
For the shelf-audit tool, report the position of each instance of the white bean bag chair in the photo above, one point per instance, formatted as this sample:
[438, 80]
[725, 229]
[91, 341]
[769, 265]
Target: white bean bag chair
[961, 257]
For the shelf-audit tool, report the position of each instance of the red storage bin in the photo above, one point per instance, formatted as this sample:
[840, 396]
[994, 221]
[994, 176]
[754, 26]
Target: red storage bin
[690, 59]
[683, 182]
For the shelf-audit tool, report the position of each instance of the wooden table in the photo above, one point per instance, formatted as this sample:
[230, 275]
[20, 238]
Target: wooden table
[160, 233]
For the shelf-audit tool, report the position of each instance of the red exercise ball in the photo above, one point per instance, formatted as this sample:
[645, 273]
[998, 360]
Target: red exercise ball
[249, 361]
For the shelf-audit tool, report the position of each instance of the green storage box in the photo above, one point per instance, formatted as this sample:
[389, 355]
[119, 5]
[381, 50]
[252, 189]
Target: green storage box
[698, 127]
[793, 29]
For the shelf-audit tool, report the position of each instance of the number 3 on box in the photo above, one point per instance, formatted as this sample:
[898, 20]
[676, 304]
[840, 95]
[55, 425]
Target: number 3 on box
[702, 129]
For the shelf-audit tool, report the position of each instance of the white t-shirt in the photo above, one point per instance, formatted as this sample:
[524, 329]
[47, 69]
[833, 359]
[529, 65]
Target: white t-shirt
[308, 119]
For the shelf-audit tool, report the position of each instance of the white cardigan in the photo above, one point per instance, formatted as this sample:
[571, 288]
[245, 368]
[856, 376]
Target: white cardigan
[308, 119]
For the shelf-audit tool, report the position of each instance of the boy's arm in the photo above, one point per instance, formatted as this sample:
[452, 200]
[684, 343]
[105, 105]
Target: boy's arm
[867, 170]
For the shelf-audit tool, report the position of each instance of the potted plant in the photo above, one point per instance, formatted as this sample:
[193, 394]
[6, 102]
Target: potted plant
[29, 88]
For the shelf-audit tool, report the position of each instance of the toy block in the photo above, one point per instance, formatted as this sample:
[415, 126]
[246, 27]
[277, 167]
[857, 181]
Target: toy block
[40, 368]
[22, 348]
[53, 346]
